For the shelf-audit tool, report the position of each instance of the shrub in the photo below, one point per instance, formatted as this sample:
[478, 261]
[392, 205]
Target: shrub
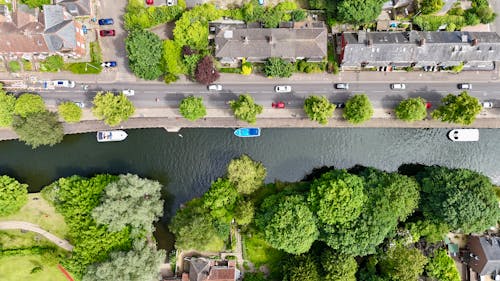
[442, 267]
[52, 64]
[169, 78]
[246, 68]
[95, 52]
[298, 15]
[277, 67]
[192, 108]
[13, 195]
[14, 66]
[27, 65]
[206, 72]
[431, 6]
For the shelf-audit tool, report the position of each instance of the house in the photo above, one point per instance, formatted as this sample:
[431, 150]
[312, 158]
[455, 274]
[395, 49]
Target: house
[302, 41]
[483, 257]
[26, 32]
[419, 49]
[77, 8]
[203, 269]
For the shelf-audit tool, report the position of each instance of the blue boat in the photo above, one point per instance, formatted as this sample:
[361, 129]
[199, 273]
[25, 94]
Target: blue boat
[247, 132]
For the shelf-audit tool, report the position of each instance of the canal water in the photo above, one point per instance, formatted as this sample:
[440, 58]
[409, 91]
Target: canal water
[187, 162]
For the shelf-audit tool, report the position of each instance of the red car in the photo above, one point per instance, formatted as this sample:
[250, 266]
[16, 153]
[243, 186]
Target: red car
[105, 33]
[150, 2]
[428, 105]
[279, 104]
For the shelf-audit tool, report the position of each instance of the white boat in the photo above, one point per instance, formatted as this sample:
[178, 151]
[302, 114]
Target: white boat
[464, 135]
[115, 135]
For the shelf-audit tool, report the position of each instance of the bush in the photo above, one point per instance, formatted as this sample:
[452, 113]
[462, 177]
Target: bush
[13, 195]
[298, 15]
[27, 65]
[169, 78]
[229, 70]
[431, 6]
[70, 112]
[277, 67]
[432, 23]
[442, 267]
[192, 108]
[246, 68]
[14, 66]
[52, 64]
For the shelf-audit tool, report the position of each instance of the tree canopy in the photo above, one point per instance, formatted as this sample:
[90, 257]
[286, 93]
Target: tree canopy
[27, 104]
[358, 109]
[246, 174]
[192, 28]
[70, 112]
[206, 72]
[359, 11]
[461, 109]
[301, 268]
[411, 109]
[172, 58]
[318, 109]
[338, 266]
[13, 195]
[442, 267]
[35, 3]
[430, 6]
[278, 67]
[401, 263]
[114, 109]
[192, 108]
[40, 128]
[7, 106]
[220, 199]
[244, 108]
[144, 51]
[462, 199]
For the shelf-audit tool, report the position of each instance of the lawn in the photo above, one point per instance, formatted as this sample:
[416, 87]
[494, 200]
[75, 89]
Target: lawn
[44, 268]
[38, 211]
[260, 253]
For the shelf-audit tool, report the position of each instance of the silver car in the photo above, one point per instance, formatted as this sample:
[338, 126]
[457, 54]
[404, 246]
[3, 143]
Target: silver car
[80, 104]
[283, 89]
[398, 86]
[342, 86]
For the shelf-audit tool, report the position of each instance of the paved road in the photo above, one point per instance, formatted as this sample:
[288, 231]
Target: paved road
[5, 225]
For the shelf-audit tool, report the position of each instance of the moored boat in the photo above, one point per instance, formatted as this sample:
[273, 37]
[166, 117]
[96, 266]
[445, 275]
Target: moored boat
[247, 132]
[114, 135]
[464, 135]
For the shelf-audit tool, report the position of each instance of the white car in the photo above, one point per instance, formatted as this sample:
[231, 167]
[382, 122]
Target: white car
[464, 86]
[214, 87]
[80, 104]
[342, 86]
[64, 83]
[398, 86]
[128, 92]
[170, 2]
[487, 104]
[283, 89]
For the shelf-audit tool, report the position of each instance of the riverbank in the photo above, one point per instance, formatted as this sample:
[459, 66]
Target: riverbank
[172, 120]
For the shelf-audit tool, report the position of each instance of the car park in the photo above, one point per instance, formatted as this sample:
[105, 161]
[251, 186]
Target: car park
[106, 22]
[105, 33]
[109, 64]
[128, 92]
[464, 86]
[398, 86]
[283, 89]
[487, 104]
[80, 104]
[279, 104]
[64, 83]
[214, 87]
[342, 86]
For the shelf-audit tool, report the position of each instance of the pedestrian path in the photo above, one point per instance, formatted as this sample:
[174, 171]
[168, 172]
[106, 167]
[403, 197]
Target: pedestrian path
[8, 225]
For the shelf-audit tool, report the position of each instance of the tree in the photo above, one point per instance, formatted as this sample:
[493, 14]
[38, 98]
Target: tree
[246, 174]
[287, 223]
[337, 197]
[318, 109]
[144, 50]
[27, 104]
[206, 72]
[460, 198]
[461, 109]
[220, 200]
[52, 63]
[358, 109]
[301, 268]
[485, 14]
[172, 58]
[114, 109]
[244, 212]
[70, 112]
[298, 15]
[359, 11]
[13, 195]
[401, 263]
[245, 108]
[411, 109]
[431, 6]
[7, 107]
[192, 108]
[130, 201]
[442, 267]
[142, 263]
[41, 128]
[35, 3]
[338, 266]
[431, 232]
[277, 67]
[192, 28]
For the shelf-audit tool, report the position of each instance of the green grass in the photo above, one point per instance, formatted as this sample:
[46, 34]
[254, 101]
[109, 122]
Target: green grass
[260, 253]
[14, 66]
[95, 52]
[41, 213]
[230, 70]
[15, 239]
[20, 268]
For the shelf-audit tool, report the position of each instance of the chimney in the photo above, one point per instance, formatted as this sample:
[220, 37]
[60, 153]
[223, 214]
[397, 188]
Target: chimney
[465, 38]
[361, 37]
[421, 42]
[475, 42]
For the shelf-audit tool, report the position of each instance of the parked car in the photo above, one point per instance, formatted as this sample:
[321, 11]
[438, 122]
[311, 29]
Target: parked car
[104, 33]
[279, 104]
[464, 86]
[487, 104]
[150, 2]
[342, 86]
[109, 64]
[428, 105]
[398, 86]
[128, 92]
[64, 83]
[340, 105]
[283, 89]
[80, 104]
[214, 87]
[170, 2]
[106, 22]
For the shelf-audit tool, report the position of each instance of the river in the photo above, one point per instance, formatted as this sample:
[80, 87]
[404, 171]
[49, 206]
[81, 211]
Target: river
[186, 163]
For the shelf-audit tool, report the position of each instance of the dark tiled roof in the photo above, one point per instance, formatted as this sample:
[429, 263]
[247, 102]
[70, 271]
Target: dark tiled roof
[198, 269]
[76, 7]
[60, 33]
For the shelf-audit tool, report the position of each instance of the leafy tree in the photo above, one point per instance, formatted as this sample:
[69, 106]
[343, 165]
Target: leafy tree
[142, 263]
[460, 198]
[358, 109]
[246, 175]
[220, 200]
[13, 195]
[41, 128]
[461, 109]
[70, 112]
[144, 50]
[114, 109]
[287, 223]
[301, 268]
[52, 64]
[298, 15]
[245, 108]
[130, 201]
[318, 109]
[411, 109]
[277, 67]
[192, 28]
[338, 266]
[206, 72]
[244, 212]
[172, 57]
[337, 197]
[401, 263]
[27, 104]
[192, 108]
[431, 6]
[254, 276]
[359, 11]
[485, 14]
[442, 267]
[432, 232]
[35, 3]
[7, 107]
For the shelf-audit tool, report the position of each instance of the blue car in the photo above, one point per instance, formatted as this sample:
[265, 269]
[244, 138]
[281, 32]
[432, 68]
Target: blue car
[106, 22]
[109, 64]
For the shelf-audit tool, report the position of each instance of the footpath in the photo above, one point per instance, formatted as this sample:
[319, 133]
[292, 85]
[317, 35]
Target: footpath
[9, 225]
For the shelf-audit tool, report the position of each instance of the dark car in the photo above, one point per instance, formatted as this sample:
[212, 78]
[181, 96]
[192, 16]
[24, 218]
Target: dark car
[105, 33]
[109, 64]
[340, 105]
[106, 22]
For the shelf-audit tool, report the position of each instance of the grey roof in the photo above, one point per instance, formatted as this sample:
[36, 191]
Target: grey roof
[487, 250]
[60, 33]
[416, 46]
[271, 42]
[199, 269]
[76, 7]
[52, 15]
